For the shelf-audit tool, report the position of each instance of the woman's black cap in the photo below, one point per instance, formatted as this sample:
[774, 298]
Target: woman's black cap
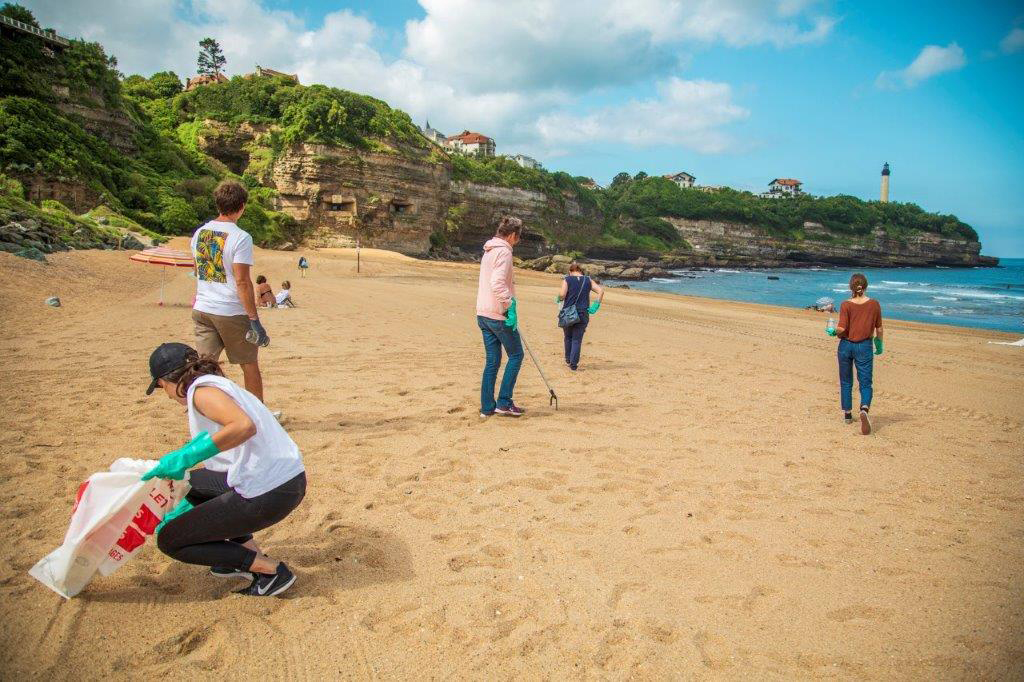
[167, 358]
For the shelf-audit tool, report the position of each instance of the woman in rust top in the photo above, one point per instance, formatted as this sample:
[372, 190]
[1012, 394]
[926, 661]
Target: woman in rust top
[860, 319]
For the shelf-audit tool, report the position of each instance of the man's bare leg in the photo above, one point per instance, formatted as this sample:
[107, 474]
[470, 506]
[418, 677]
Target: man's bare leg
[253, 379]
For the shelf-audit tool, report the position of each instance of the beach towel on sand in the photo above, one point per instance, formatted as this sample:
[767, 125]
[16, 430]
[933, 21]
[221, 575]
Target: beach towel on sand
[114, 513]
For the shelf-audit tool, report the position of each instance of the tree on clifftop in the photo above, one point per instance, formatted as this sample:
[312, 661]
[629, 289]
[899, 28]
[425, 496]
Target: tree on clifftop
[211, 57]
[19, 13]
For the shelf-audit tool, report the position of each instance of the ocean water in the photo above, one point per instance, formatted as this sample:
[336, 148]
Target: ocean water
[988, 298]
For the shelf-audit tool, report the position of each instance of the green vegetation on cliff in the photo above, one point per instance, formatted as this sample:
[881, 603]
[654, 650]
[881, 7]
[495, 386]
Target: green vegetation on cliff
[164, 183]
[52, 226]
[640, 199]
[504, 172]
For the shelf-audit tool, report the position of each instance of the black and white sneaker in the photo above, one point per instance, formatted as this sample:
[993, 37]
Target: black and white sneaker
[269, 584]
[225, 572]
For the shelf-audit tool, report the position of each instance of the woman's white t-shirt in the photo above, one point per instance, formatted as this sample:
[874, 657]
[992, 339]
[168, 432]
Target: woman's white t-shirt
[261, 463]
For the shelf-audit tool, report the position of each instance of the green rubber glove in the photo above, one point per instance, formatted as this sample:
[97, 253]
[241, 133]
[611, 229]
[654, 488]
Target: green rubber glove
[879, 347]
[175, 464]
[830, 332]
[594, 307]
[558, 299]
[511, 318]
[178, 510]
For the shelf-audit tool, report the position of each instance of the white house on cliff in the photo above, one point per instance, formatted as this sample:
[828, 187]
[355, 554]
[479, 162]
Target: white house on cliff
[783, 187]
[468, 142]
[682, 178]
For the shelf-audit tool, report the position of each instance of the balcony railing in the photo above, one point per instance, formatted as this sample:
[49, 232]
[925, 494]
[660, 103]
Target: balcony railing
[28, 28]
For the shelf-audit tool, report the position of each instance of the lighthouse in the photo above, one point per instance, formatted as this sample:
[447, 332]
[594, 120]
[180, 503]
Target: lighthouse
[885, 183]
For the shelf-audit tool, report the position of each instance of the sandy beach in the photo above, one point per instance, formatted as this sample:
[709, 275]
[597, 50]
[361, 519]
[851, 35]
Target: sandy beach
[696, 509]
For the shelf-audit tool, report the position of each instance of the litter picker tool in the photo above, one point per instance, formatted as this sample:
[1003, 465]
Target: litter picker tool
[554, 398]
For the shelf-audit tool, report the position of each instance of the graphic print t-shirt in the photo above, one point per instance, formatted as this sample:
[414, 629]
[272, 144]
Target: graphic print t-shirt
[216, 246]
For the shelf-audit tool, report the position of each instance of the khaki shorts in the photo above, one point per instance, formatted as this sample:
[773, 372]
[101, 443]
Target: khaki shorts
[215, 333]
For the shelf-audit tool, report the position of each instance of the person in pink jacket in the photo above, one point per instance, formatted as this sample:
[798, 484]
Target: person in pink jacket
[496, 317]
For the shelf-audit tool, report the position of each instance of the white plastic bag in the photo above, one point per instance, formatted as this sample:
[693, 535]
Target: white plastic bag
[114, 512]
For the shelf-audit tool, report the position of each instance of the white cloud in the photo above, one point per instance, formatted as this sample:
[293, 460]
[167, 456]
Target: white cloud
[685, 113]
[580, 45]
[931, 61]
[509, 69]
[1013, 41]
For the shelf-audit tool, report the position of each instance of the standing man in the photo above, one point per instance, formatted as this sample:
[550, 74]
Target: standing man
[496, 317]
[225, 307]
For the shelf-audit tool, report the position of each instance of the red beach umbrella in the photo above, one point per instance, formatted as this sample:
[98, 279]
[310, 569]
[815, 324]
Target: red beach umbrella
[168, 258]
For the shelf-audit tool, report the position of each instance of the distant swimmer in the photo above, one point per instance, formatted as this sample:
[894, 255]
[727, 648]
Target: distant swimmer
[252, 478]
[860, 320]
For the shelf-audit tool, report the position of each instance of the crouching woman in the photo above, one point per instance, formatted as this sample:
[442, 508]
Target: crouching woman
[253, 475]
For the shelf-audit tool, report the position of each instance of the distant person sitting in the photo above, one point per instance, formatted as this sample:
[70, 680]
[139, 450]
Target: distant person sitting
[264, 294]
[284, 296]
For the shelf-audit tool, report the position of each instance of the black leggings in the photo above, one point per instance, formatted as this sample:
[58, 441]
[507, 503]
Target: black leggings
[211, 533]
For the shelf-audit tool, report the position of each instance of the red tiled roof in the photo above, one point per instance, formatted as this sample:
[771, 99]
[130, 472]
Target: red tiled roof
[786, 181]
[466, 137]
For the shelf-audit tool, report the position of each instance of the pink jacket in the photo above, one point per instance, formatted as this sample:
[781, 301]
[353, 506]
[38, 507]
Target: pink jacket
[497, 287]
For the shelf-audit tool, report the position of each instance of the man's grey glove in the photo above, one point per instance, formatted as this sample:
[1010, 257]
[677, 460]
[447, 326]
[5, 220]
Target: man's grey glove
[257, 335]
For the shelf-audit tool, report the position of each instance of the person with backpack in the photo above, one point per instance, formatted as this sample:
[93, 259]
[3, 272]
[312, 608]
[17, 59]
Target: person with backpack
[574, 315]
[860, 319]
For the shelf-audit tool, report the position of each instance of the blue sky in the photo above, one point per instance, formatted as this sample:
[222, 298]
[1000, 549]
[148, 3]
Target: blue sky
[736, 92]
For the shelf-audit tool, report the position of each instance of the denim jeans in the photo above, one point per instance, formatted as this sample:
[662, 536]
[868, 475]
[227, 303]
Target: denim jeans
[496, 336]
[574, 339]
[861, 355]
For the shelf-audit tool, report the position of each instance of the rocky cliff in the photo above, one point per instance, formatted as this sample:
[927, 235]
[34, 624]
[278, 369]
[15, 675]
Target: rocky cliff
[731, 244]
[552, 223]
[406, 200]
[386, 200]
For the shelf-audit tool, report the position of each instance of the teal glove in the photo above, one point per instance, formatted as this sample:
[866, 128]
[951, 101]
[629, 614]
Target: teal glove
[831, 332]
[594, 307]
[175, 464]
[511, 318]
[878, 346]
[178, 510]
[558, 299]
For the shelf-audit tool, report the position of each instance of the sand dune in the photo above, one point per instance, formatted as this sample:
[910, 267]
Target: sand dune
[695, 509]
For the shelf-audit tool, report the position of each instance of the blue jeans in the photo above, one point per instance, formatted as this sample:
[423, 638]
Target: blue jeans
[860, 354]
[496, 335]
[574, 339]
